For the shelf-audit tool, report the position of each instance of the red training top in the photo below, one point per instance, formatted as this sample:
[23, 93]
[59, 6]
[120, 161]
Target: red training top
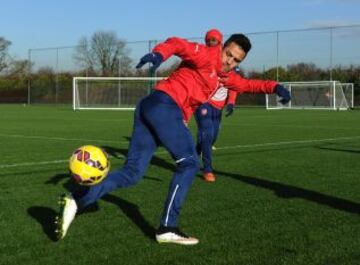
[199, 75]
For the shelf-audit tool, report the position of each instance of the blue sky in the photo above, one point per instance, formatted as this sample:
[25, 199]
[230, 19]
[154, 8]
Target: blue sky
[49, 23]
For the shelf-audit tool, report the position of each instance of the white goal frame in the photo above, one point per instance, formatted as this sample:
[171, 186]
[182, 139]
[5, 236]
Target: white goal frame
[77, 105]
[350, 94]
[346, 101]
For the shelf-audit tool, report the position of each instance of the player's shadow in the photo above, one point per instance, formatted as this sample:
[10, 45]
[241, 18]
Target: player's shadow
[352, 151]
[69, 184]
[288, 192]
[56, 179]
[118, 153]
[46, 217]
[127, 138]
[132, 212]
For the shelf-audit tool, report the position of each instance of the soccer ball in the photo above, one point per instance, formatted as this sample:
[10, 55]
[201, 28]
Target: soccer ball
[89, 165]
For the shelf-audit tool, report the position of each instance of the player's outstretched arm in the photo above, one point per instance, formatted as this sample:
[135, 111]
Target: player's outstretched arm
[239, 84]
[187, 51]
[154, 58]
[242, 85]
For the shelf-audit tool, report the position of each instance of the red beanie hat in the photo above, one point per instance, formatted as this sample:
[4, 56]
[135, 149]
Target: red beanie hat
[214, 34]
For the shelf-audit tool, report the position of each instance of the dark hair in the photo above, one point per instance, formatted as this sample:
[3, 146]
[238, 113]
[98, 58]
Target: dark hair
[241, 40]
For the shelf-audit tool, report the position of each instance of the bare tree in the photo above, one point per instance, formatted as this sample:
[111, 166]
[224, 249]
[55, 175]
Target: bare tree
[104, 52]
[4, 45]
[18, 67]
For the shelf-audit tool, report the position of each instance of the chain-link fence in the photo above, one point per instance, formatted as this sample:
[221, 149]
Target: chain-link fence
[331, 53]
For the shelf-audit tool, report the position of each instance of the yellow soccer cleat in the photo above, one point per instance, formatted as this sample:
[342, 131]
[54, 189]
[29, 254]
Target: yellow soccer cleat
[67, 212]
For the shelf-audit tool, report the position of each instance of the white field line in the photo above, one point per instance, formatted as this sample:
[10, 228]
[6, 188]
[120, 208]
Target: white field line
[58, 138]
[289, 143]
[283, 125]
[218, 148]
[25, 164]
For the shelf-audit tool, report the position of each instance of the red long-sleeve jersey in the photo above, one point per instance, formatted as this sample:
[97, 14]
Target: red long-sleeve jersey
[197, 79]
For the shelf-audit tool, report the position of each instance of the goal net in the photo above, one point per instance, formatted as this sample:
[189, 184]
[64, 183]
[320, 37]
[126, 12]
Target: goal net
[110, 93]
[331, 95]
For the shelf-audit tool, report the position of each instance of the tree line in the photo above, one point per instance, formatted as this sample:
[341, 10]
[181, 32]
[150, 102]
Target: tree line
[104, 54]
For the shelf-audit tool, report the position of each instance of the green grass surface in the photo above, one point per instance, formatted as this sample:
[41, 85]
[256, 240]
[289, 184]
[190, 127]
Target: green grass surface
[287, 191]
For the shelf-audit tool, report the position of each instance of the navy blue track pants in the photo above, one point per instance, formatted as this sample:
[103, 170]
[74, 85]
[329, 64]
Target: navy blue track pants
[157, 121]
[208, 119]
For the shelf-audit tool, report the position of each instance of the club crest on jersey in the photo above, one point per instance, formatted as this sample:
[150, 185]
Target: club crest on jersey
[220, 94]
[203, 112]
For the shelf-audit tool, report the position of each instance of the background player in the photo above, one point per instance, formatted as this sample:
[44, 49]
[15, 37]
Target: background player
[208, 115]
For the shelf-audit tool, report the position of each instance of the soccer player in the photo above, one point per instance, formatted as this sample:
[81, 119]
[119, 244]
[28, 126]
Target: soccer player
[159, 120]
[208, 115]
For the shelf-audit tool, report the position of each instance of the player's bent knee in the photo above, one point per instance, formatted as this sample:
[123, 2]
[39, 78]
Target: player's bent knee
[189, 164]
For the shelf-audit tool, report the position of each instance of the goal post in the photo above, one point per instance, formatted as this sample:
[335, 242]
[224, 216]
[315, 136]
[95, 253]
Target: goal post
[110, 93]
[348, 89]
[326, 95]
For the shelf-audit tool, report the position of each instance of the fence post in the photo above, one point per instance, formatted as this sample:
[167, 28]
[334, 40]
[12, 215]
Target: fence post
[29, 78]
[57, 76]
[119, 81]
[331, 54]
[277, 56]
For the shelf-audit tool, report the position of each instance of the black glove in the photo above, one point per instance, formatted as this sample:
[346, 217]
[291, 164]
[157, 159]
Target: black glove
[229, 110]
[283, 93]
[154, 57]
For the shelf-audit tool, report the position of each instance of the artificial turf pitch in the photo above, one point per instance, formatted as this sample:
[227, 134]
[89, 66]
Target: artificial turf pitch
[287, 191]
